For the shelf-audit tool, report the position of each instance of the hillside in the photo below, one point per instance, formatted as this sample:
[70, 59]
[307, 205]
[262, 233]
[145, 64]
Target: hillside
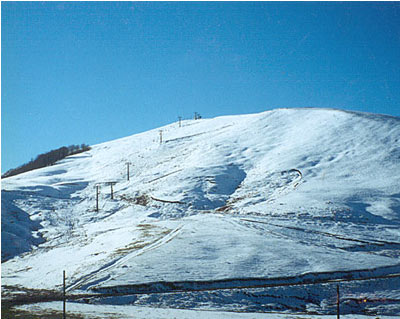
[282, 197]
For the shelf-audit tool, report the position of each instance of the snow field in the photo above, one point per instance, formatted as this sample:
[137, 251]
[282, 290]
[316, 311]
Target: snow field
[280, 193]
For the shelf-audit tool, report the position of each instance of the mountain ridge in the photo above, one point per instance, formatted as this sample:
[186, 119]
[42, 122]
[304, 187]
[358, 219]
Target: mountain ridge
[314, 190]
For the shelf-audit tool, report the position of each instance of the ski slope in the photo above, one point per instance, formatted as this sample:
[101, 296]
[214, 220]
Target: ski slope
[294, 194]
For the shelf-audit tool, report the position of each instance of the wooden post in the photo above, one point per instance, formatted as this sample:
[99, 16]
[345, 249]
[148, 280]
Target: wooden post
[338, 302]
[112, 190]
[64, 299]
[97, 198]
[127, 173]
[180, 118]
[160, 136]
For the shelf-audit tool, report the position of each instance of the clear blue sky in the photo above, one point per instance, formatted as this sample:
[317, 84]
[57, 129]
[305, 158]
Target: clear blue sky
[90, 72]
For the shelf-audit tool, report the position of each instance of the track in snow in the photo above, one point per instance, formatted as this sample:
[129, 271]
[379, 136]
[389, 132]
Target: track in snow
[95, 277]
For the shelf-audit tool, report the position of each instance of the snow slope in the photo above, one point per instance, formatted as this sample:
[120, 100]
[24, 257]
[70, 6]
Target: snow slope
[278, 194]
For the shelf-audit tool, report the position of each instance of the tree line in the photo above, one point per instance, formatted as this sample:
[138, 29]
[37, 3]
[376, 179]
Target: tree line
[47, 159]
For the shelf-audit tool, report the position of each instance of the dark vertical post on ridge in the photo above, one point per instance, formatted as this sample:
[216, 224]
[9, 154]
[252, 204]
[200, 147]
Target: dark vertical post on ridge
[338, 302]
[64, 299]
[127, 167]
[112, 190]
[160, 136]
[180, 119]
[97, 198]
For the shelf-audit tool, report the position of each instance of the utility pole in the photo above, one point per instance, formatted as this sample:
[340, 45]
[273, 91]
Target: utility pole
[160, 136]
[97, 198]
[338, 302]
[180, 119]
[112, 191]
[127, 173]
[64, 299]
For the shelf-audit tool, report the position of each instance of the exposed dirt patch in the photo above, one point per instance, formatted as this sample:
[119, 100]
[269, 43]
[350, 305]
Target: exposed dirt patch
[132, 246]
[8, 312]
[142, 200]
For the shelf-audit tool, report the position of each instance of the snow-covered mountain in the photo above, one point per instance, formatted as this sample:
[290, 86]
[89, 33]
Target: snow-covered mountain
[284, 196]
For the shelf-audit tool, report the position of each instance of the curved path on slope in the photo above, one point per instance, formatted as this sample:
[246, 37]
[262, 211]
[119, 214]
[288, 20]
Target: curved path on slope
[95, 277]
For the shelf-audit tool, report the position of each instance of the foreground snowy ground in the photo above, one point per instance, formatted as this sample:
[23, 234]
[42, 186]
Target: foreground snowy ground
[234, 211]
[115, 312]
